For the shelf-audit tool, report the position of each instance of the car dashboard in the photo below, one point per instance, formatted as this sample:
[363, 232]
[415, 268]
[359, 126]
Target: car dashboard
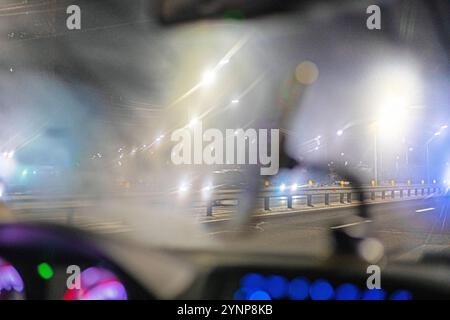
[45, 262]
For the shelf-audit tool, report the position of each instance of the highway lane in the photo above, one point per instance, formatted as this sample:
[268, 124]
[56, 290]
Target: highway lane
[406, 228]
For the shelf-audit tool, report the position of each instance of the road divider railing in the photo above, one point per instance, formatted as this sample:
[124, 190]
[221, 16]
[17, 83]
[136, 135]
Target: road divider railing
[343, 195]
[311, 196]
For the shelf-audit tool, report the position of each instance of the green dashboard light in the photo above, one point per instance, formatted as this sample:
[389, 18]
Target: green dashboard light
[45, 271]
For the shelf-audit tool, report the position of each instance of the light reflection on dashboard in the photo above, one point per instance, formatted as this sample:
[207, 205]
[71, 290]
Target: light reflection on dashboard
[11, 283]
[97, 284]
[255, 286]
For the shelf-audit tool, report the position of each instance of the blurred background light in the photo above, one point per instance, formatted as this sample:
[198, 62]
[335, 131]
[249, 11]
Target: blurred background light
[347, 291]
[208, 78]
[277, 286]
[253, 281]
[260, 295]
[374, 294]
[10, 278]
[98, 284]
[321, 290]
[306, 73]
[401, 295]
[299, 289]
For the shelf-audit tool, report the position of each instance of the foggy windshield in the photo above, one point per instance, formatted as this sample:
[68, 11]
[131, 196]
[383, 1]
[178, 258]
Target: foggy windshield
[154, 132]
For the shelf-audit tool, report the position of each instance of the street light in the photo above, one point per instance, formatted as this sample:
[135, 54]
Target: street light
[397, 88]
[391, 122]
[208, 78]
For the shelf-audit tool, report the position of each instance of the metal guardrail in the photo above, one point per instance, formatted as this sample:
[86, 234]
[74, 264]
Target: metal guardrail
[346, 194]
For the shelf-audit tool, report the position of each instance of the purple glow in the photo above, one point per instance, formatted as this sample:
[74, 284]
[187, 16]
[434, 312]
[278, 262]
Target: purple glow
[98, 284]
[111, 290]
[91, 276]
[9, 278]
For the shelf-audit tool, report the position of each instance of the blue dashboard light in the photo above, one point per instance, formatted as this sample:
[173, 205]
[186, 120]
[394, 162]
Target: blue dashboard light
[321, 290]
[299, 289]
[401, 295]
[259, 295]
[277, 286]
[347, 291]
[255, 286]
[243, 294]
[374, 294]
[253, 281]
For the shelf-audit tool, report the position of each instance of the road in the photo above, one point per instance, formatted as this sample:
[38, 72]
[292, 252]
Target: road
[405, 227]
